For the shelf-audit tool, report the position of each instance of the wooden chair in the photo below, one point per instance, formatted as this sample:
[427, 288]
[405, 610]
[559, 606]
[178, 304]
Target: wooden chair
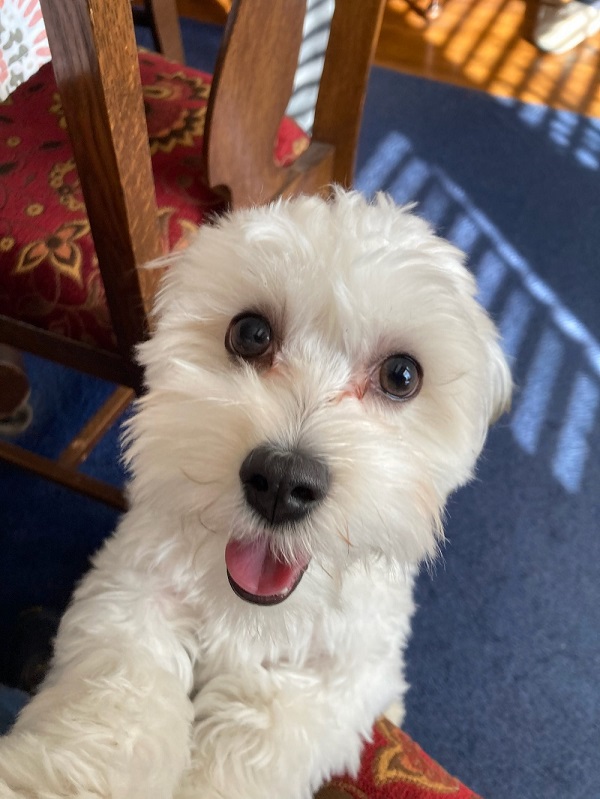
[97, 74]
[161, 17]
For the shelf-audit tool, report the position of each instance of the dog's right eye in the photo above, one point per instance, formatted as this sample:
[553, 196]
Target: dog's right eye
[400, 377]
[249, 336]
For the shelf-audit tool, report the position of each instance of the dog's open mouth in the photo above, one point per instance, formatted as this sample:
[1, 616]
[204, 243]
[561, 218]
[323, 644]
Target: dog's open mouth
[259, 576]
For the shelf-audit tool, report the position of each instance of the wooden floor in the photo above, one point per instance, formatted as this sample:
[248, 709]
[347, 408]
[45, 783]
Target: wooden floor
[481, 44]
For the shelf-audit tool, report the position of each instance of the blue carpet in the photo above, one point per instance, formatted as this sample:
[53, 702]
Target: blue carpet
[505, 654]
[506, 649]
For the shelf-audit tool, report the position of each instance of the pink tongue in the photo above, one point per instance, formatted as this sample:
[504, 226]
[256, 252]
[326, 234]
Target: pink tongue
[256, 570]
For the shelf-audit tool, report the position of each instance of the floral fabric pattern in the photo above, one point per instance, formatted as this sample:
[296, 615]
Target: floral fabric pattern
[23, 43]
[393, 766]
[49, 275]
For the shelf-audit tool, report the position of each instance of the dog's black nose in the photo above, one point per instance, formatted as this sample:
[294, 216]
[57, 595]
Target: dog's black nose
[283, 486]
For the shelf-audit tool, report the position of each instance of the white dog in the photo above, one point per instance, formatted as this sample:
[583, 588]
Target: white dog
[320, 379]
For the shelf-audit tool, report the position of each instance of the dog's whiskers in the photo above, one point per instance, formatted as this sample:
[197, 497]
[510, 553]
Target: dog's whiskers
[191, 523]
[345, 538]
[207, 508]
[205, 525]
[340, 459]
[221, 401]
[328, 573]
[195, 479]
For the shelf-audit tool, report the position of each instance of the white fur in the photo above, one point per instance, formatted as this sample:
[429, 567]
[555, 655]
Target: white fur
[165, 683]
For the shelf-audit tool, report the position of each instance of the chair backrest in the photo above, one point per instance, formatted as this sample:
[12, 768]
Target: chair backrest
[95, 64]
[96, 69]
[252, 86]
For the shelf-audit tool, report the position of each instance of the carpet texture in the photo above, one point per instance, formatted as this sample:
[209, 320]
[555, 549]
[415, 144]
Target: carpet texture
[505, 654]
[506, 649]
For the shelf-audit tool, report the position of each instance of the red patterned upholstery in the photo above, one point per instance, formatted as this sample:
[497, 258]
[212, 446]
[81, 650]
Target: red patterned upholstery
[394, 767]
[49, 273]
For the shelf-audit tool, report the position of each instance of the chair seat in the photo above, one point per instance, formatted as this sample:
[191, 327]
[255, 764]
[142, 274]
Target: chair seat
[393, 766]
[52, 281]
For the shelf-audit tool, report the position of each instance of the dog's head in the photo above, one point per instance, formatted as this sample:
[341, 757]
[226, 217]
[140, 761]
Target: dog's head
[320, 379]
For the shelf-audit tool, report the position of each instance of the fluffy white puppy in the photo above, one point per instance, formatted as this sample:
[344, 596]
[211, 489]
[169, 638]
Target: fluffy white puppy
[320, 379]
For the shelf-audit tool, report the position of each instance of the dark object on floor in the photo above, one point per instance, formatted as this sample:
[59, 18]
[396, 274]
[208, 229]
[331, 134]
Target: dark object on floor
[15, 411]
[32, 647]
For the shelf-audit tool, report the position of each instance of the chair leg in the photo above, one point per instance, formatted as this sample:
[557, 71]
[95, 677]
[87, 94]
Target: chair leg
[64, 470]
[163, 19]
[68, 477]
[15, 411]
[87, 438]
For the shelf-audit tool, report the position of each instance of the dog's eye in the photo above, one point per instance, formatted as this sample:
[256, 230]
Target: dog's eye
[400, 377]
[249, 336]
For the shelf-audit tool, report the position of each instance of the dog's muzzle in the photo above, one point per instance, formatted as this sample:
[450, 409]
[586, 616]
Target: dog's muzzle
[281, 487]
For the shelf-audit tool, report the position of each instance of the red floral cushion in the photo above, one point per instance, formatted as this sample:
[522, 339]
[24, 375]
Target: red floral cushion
[394, 767]
[49, 273]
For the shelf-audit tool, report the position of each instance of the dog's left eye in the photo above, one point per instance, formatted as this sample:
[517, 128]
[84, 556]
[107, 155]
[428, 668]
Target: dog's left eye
[249, 336]
[400, 377]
